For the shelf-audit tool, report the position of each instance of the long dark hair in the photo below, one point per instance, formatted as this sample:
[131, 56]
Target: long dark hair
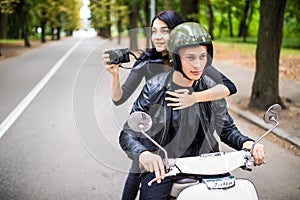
[172, 19]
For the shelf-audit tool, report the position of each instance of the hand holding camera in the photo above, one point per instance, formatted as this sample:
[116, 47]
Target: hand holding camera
[118, 56]
[111, 68]
[113, 59]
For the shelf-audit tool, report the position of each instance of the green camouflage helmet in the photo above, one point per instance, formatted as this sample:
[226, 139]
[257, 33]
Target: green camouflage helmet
[187, 34]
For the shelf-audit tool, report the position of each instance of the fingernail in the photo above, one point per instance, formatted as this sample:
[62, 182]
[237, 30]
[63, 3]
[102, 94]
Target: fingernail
[158, 181]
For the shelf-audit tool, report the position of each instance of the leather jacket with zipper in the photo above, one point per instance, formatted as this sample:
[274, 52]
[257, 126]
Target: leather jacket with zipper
[212, 116]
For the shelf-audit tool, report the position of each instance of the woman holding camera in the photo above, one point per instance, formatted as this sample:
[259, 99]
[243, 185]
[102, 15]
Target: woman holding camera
[156, 60]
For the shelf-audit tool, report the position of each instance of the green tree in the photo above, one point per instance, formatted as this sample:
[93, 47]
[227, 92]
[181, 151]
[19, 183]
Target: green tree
[101, 17]
[6, 8]
[189, 10]
[265, 89]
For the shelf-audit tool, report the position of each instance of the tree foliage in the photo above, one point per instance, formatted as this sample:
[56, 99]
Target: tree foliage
[22, 18]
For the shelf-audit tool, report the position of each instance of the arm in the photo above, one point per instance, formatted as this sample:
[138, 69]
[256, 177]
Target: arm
[135, 145]
[182, 99]
[230, 134]
[120, 94]
[130, 85]
[220, 78]
[113, 69]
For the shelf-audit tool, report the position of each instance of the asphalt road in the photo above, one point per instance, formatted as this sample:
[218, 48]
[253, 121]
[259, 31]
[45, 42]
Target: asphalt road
[62, 141]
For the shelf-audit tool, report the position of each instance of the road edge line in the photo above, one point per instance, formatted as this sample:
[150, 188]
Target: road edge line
[19, 109]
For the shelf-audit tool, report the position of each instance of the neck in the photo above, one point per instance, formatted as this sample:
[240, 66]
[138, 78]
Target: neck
[179, 79]
[163, 53]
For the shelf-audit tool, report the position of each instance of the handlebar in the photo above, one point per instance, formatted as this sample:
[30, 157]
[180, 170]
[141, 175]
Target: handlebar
[210, 164]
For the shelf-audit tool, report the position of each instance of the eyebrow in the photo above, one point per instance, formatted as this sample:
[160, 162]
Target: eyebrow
[164, 27]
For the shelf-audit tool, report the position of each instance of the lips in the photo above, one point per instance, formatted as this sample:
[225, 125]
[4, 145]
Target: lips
[196, 73]
[159, 44]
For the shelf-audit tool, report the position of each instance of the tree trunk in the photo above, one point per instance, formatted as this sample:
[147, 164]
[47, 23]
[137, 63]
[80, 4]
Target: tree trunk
[25, 34]
[230, 20]
[147, 16]
[52, 34]
[265, 89]
[119, 25]
[249, 20]
[3, 25]
[189, 10]
[43, 33]
[23, 13]
[221, 26]
[210, 18]
[243, 25]
[16, 22]
[105, 32]
[58, 33]
[146, 22]
[133, 17]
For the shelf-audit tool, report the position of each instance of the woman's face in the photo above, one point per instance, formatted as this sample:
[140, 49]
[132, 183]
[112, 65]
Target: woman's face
[160, 36]
[193, 61]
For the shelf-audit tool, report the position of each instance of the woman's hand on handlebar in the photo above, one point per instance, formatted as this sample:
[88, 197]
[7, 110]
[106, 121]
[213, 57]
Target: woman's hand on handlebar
[113, 69]
[258, 152]
[153, 163]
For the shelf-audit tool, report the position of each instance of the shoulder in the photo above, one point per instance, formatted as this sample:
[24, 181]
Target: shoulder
[142, 59]
[160, 78]
[157, 83]
[208, 81]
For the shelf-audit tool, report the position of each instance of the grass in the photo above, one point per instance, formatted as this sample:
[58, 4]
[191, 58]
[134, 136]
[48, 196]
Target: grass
[10, 41]
[290, 43]
[250, 47]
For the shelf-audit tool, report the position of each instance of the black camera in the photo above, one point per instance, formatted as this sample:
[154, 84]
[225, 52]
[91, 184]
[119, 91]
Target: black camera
[119, 56]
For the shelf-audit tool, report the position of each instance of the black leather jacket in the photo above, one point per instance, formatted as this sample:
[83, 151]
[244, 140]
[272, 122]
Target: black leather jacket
[212, 116]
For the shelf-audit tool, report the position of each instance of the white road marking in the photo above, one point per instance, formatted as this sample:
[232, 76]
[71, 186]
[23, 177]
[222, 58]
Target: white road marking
[19, 109]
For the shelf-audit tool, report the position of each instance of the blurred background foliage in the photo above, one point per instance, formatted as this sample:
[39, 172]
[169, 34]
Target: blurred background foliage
[226, 20]
[36, 19]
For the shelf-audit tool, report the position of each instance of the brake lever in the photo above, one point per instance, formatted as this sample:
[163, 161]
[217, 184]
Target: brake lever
[173, 172]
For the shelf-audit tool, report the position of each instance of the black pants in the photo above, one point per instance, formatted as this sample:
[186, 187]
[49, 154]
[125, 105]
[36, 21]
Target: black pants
[157, 191]
[132, 186]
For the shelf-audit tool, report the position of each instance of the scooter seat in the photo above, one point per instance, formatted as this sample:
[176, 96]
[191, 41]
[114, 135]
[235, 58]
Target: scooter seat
[181, 184]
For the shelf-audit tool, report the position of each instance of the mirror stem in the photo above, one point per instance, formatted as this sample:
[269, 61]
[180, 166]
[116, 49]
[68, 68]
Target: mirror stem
[264, 135]
[166, 162]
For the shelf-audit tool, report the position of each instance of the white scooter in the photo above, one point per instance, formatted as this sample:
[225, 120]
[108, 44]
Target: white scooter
[212, 167]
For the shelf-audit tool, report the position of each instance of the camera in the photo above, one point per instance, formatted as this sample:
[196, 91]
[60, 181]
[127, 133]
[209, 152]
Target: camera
[119, 56]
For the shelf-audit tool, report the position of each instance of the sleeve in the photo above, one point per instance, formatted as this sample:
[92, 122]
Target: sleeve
[132, 82]
[129, 140]
[220, 78]
[226, 128]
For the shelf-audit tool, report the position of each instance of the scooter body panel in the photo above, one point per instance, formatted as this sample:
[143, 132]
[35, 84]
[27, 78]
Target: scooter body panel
[243, 189]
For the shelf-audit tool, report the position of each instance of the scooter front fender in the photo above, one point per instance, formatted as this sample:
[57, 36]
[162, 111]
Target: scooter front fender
[243, 189]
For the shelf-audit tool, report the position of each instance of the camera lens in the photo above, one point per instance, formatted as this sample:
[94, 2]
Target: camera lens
[116, 56]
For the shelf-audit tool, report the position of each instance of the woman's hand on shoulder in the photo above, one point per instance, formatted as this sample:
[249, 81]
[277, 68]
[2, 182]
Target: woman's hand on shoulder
[113, 69]
[180, 99]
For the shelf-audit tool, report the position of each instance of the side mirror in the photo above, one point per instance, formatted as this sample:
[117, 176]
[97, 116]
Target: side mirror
[272, 114]
[139, 120]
